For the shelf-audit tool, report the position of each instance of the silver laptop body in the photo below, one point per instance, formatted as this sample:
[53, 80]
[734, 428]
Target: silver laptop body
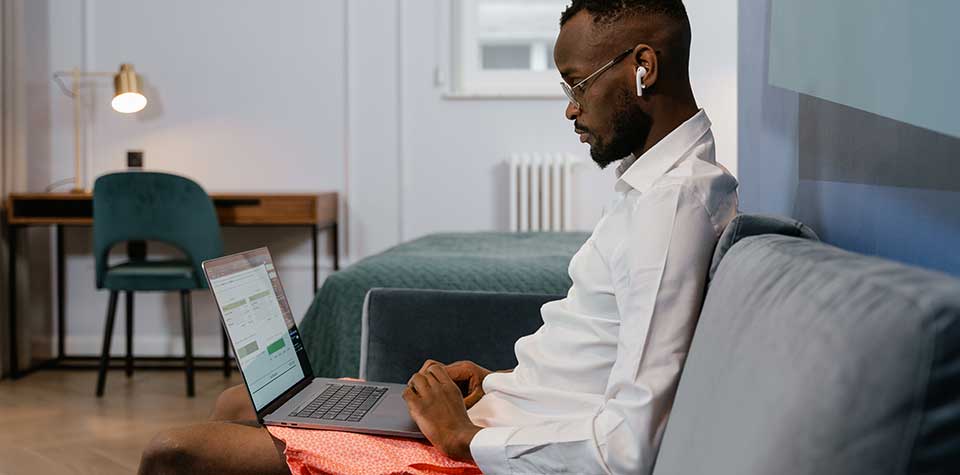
[273, 362]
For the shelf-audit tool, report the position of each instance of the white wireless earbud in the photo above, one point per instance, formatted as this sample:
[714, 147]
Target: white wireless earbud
[641, 72]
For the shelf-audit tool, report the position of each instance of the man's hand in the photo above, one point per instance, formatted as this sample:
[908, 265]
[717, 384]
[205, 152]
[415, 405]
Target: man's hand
[437, 407]
[467, 375]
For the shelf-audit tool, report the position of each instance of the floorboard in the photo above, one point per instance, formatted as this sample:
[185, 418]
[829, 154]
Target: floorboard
[53, 423]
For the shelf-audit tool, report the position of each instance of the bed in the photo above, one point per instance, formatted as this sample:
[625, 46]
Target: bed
[534, 263]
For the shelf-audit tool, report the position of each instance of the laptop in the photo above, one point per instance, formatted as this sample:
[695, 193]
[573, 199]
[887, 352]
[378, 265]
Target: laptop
[274, 365]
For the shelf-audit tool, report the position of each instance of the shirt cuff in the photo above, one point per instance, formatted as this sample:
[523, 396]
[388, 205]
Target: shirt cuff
[488, 449]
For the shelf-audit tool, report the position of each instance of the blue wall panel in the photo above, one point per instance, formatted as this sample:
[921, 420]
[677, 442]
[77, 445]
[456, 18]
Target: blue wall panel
[895, 58]
[915, 226]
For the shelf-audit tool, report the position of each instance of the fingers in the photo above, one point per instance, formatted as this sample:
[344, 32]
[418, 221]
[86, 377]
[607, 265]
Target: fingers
[424, 384]
[472, 398]
[461, 370]
[428, 364]
[422, 381]
[419, 383]
[458, 371]
[433, 379]
[439, 374]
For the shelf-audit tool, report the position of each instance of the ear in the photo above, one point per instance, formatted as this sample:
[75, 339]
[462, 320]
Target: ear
[644, 56]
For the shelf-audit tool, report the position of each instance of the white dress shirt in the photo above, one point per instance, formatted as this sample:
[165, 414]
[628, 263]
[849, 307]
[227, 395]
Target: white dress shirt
[595, 383]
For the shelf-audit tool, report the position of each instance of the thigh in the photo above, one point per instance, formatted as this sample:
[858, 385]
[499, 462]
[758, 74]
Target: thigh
[234, 404]
[215, 447]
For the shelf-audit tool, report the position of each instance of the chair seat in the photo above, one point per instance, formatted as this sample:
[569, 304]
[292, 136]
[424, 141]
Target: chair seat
[150, 275]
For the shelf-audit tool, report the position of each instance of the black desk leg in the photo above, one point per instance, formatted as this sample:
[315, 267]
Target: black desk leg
[335, 236]
[61, 300]
[316, 277]
[12, 300]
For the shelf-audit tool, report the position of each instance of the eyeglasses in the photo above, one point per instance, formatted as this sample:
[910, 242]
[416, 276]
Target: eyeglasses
[570, 90]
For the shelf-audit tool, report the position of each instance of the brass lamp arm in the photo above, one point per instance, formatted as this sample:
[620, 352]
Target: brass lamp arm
[128, 99]
[73, 92]
[75, 75]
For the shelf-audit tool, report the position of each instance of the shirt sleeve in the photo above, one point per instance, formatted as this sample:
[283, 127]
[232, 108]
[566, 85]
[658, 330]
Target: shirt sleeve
[658, 267]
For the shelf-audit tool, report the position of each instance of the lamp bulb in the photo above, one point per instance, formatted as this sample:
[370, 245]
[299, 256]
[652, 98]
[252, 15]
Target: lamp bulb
[129, 102]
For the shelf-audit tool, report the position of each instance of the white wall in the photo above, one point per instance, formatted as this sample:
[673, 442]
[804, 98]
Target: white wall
[713, 71]
[244, 96]
[298, 95]
[449, 151]
[453, 149]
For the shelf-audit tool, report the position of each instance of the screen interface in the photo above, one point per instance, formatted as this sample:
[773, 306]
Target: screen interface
[259, 323]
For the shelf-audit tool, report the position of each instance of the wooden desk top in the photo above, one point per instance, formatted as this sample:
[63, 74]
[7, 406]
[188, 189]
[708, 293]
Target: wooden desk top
[233, 209]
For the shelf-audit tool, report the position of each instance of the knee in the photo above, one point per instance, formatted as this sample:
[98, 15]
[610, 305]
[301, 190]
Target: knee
[233, 404]
[169, 452]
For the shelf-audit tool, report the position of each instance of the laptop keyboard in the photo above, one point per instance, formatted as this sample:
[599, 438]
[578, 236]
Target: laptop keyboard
[342, 402]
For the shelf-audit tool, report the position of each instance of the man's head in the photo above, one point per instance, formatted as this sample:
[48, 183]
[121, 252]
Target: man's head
[611, 117]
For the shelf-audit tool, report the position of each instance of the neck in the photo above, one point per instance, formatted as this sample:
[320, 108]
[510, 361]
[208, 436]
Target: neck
[668, 113]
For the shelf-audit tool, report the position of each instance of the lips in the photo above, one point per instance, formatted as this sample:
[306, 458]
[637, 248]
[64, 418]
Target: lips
[583, 135]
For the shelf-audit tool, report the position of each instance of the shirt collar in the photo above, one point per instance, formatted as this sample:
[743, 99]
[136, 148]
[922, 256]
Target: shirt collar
[641, 172]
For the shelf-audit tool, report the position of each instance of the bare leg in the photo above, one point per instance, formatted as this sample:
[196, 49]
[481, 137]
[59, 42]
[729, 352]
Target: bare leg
[214, 447]
[233, 404]
[231, 443]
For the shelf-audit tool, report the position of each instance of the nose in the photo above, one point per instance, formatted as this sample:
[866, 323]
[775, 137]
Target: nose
[572, 111]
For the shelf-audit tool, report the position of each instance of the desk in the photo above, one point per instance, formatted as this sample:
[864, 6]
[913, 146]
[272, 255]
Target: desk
[314, 211]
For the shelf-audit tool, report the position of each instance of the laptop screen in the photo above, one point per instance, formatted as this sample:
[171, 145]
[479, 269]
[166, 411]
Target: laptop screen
[259, 323]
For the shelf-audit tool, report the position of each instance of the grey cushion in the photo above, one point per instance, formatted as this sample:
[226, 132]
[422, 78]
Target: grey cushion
[402, 328]
[746, 225]
[811, 360]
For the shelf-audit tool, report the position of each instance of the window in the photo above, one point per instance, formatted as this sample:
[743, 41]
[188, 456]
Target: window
[505, 47]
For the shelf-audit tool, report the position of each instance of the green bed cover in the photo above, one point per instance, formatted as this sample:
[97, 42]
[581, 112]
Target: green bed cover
[488, 261]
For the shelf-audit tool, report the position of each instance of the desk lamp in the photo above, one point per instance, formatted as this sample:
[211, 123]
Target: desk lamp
[127, 98]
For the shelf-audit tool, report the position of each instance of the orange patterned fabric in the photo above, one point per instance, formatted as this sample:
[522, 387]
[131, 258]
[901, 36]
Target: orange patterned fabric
[327, 452]
[312, 452]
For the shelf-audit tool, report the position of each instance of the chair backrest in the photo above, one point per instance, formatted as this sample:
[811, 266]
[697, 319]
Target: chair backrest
[808, 359]
[149, 206]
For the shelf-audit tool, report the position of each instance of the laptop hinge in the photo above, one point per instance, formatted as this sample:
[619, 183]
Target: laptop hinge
[282, 399]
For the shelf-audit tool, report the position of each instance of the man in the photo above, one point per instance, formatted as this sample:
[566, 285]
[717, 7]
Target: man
[594, 385]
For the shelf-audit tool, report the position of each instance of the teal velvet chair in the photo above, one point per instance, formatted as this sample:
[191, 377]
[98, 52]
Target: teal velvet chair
[159, 207]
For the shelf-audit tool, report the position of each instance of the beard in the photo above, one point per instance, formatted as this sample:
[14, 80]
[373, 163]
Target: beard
[630, 128]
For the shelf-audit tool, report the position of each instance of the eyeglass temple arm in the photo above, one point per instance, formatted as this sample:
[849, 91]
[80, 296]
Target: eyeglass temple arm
[603, 68]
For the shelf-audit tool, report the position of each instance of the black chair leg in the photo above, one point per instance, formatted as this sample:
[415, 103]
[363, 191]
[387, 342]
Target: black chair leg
[129, 315]
[107, 336]
[187, 339]
[227, 367]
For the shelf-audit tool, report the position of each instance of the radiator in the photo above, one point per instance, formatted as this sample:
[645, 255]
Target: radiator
[540, 191]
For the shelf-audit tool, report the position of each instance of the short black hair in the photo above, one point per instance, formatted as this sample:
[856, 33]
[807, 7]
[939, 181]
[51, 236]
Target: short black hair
[609, 11]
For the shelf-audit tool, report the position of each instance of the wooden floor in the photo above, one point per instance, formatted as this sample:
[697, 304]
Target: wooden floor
[51, 422]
